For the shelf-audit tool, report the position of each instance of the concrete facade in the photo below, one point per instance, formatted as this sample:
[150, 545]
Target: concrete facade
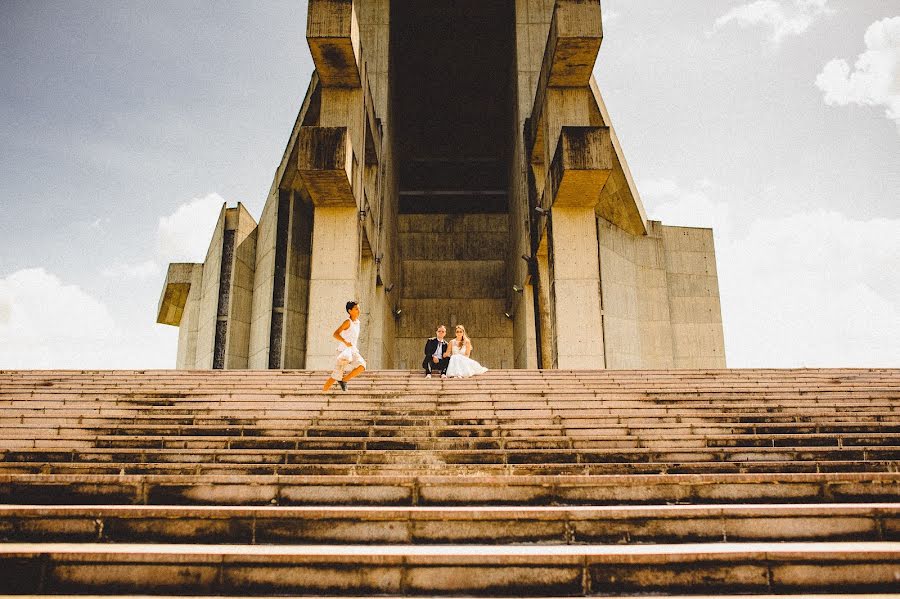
[451, 163]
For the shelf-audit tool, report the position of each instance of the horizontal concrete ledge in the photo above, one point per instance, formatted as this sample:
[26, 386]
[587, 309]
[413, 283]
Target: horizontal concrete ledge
[402, 490]
[325, 165]
[179, 278]
[507, 570]
[630, 596]
[460, 525]
[332, 32]
[579, 168]
[448, 554]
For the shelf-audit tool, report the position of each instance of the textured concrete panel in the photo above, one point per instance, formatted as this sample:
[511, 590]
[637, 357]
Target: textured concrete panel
[190, 321]
[579, 329]
[696, 312]
[333, 272]
[263, 284]
[209, 296]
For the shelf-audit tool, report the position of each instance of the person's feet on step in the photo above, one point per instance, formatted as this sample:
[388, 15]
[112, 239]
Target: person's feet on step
[343, 385]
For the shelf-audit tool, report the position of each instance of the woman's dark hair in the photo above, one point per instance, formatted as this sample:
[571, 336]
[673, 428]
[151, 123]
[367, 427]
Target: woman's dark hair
[350, 305]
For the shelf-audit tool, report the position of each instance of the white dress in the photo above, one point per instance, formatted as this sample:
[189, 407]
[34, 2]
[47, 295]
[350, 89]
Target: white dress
[460, 365]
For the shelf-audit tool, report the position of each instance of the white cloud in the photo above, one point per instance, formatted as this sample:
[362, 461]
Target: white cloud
[48, 324]
[45, 323]
[782, 18]
[184, 235]
[811, 289]
[875, 78]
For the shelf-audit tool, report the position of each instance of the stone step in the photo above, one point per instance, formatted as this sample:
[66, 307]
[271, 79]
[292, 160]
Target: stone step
[449, 489]
[431, 596]
[424, 466]
[463, 525]
[466, 569]
[58, 439]
[435, 403]
[481, 455]
[305, 428]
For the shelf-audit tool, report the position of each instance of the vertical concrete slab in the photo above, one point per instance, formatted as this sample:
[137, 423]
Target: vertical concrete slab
[240, 309]
[694, 304]
[637, 328]
[576, 289]
[333, 274]
[209, 296]
[297, 271]
[261, 316]
[190, 321]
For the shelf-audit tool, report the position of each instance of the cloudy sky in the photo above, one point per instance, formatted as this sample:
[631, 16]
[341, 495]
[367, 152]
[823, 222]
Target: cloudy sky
[125, 126]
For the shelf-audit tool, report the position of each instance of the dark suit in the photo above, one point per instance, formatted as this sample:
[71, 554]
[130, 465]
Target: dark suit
[428, 364]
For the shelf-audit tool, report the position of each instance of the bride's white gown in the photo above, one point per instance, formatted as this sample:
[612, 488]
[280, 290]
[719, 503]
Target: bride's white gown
[460, 365]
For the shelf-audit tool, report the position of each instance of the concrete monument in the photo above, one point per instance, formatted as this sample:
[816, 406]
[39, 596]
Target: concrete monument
[452, 162]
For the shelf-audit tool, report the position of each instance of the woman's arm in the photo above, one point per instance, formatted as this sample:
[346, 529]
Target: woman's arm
[337, 333]
[468, 348]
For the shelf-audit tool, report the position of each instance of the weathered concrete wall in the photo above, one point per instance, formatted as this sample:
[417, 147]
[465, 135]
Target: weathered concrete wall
[661, 298]
[333, 277]
[190, 321]
[209, 296]
[454, 272]
[296, 304]
[636, 319]
[240, 306]
[263, 284]
[576, 289]
[532, 26]
[694, 305]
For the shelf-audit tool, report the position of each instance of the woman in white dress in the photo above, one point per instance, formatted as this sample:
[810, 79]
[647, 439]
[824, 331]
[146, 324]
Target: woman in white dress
[461, 365]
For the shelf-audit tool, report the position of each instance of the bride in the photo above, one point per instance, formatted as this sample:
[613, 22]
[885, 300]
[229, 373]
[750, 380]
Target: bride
[461, 365]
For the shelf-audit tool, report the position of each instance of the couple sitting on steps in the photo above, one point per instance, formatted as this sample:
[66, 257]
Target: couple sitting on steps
[450, 359]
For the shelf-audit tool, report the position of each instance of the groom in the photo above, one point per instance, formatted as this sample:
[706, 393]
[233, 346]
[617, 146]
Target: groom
[434, 354]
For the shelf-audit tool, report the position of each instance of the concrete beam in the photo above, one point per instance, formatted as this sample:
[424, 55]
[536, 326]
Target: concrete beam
[576, 32]
[325, 165]
[332, 32]
[175, 292]
[580, 167]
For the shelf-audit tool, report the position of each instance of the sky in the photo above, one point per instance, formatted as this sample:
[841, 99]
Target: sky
[125, 126]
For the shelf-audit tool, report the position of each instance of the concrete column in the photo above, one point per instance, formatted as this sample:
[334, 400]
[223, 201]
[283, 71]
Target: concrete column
[547, 313]
[576, 288]
[335, 259]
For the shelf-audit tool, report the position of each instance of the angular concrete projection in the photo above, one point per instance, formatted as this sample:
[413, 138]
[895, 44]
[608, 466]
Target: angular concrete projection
[325, 165]
[332, 31]
[451, 163]
[179, 278]
[580, 167]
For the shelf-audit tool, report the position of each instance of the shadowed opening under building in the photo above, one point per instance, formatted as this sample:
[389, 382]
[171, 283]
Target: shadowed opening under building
[453, 110]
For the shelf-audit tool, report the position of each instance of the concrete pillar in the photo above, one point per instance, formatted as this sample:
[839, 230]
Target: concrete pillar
[576, 288]
[545, 305]
[333, 274]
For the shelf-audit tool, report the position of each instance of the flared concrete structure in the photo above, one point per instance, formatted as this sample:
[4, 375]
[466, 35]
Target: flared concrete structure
[452, 162]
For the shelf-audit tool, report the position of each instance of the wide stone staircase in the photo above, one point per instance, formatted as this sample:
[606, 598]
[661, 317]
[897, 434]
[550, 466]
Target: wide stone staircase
[514, 483]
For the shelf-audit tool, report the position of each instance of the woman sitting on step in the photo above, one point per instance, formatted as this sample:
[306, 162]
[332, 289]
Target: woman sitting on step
[461, 365]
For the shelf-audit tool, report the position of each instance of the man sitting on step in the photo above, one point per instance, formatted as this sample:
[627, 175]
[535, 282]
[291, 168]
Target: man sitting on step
[434, 354]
